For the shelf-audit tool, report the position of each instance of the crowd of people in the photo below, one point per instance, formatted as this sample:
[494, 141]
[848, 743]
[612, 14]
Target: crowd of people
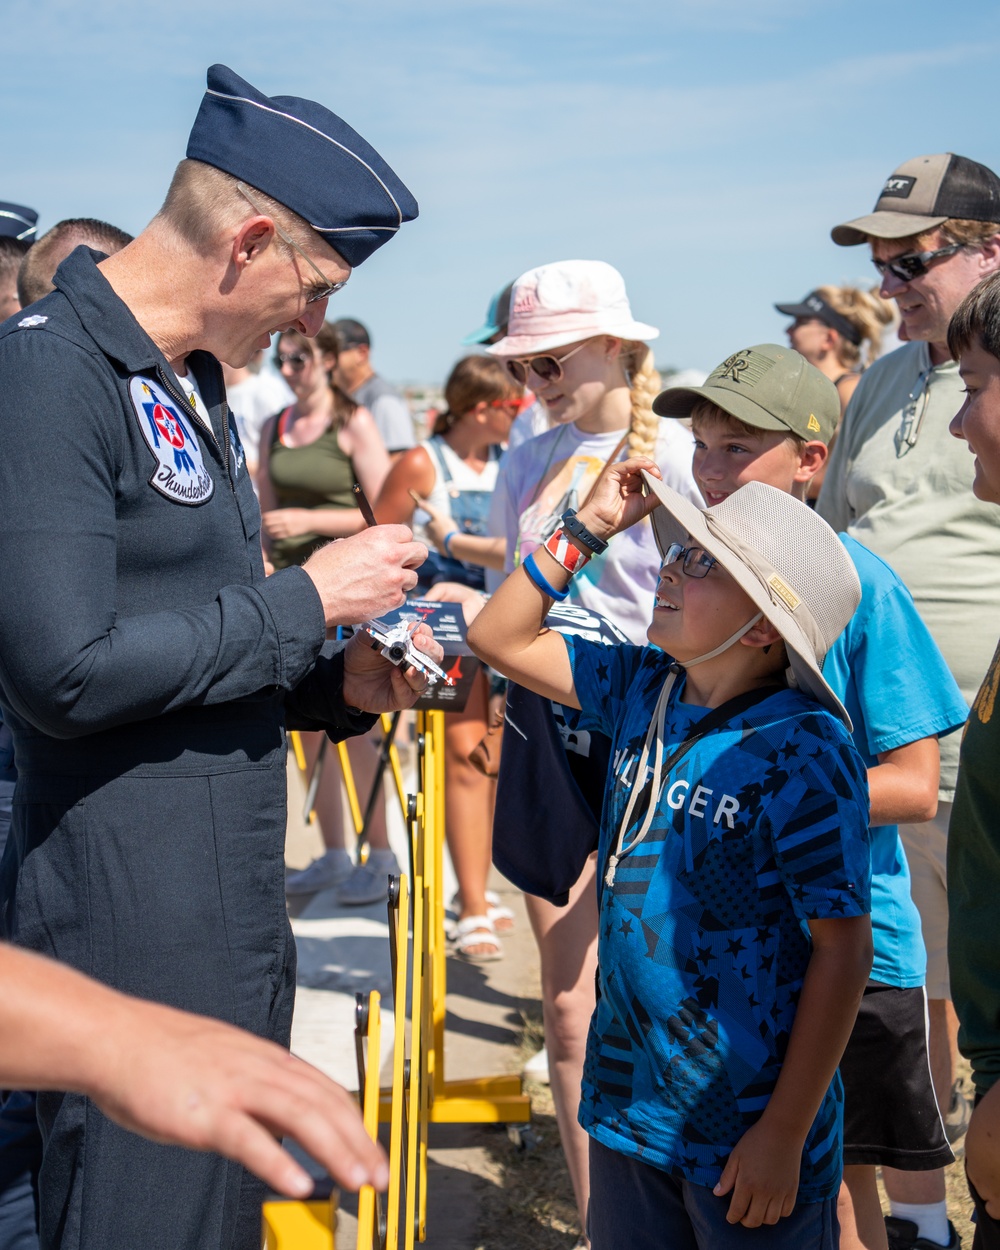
[732, 627]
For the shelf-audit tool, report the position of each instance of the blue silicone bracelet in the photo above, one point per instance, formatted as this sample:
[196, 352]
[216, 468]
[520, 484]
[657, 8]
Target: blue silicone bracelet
[446, 543]
[533, 571]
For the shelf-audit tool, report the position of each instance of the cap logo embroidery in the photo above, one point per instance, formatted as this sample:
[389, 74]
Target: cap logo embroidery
[746, 367]
[784, 592]
[180, 474]
[899, 186]
[813, 424]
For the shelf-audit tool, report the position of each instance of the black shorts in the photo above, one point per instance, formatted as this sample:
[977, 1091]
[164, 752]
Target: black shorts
[891, 1115]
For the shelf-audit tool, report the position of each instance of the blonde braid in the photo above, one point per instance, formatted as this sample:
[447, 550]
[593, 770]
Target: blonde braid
[644, 385]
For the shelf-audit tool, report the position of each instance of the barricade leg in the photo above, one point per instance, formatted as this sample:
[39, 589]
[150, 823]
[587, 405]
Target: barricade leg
[371, 1219]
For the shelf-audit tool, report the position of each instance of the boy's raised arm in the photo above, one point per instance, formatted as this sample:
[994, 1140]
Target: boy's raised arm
[509, 633]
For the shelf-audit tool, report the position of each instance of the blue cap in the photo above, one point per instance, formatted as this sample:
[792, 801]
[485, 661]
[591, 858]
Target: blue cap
[18, 222]
[306, 158]
[497, 316]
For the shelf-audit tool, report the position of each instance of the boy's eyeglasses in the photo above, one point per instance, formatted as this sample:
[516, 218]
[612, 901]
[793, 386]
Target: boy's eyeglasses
[696, 560]
[295, 359]
[327, 288]
[547, 368]
[913, 264]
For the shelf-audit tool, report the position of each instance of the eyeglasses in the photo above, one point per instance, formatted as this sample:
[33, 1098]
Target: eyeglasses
[696, 560]
[327, 287]
[912, 417]
[517, 404]
[295, 359]
[913, 264]
[546, 368]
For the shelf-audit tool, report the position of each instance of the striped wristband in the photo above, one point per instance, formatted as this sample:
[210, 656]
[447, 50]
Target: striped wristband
[565, 552]
[533, 571]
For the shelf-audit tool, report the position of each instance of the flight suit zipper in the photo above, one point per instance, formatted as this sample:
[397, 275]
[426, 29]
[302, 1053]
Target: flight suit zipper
[187, 406]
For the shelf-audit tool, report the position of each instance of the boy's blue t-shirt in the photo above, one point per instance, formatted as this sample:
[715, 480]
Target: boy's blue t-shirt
[889, 674]
[704, 941]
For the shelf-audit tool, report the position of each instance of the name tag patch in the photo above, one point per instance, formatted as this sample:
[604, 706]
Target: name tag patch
[180, 474]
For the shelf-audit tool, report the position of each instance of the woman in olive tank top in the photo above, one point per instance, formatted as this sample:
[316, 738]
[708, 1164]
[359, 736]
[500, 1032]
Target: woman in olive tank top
[311, 455]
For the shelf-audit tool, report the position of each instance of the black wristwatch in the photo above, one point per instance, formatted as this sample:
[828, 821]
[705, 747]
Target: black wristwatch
[576, 529]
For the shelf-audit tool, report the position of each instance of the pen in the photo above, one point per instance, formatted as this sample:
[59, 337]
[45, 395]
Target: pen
[364, 505]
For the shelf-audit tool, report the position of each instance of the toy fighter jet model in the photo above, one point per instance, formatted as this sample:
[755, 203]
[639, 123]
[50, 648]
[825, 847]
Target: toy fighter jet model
[395, 642]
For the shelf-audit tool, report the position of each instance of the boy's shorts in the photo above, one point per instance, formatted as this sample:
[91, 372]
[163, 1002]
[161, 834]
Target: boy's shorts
[891, 1116]
[926, 847]
[635, 1205]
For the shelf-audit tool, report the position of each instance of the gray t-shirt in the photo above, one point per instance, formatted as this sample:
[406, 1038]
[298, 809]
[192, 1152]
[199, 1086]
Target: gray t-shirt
[390, 410]
[900, 484]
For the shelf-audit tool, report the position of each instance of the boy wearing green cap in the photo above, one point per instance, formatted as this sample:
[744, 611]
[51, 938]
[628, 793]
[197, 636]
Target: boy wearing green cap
[766, 415]
[734, 869]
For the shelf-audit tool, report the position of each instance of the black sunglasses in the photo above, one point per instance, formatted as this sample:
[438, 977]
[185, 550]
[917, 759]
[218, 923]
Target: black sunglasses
[295, 359]
[696, 560]
[913, 264]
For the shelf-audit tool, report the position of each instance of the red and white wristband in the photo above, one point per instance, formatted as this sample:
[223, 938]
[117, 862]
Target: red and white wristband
[565, 552]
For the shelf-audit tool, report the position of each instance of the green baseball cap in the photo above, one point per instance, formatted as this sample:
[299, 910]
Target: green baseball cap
[768, 387]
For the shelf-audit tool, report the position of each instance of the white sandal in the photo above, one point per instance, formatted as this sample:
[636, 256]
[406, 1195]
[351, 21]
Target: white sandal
[477, 931]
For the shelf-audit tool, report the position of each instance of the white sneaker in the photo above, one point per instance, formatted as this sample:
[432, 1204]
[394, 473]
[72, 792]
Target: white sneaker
[537, 1067]
[331, 868]
[369, 882]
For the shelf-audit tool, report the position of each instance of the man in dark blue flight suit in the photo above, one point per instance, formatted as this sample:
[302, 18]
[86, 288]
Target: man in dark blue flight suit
[148, 671]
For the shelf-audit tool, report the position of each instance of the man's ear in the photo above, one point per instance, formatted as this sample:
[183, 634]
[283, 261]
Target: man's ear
[253, 236]
[763, 634]
[812, 457]
[991, 255]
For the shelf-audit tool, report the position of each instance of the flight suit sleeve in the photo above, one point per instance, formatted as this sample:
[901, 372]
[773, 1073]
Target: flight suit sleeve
[70, 662]
[317, 702]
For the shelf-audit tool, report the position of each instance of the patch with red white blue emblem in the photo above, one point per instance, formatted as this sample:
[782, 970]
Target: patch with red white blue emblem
[180, 474]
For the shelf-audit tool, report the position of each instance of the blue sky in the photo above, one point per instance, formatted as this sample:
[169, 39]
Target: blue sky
[704, 149]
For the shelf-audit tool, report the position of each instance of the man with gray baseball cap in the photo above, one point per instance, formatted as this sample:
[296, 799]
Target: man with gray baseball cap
[898, 485]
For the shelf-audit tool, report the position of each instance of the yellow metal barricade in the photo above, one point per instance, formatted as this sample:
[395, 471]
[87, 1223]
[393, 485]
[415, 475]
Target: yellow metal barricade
[299, 1225]
[368, 1028]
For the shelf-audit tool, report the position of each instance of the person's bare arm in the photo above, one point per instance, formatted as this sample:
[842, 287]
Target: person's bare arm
[480, 549]
[763, 1169]
[326, 522]
[178, 1078]
[903, 785]
[508, 634]
[362, 442]
[413, 470]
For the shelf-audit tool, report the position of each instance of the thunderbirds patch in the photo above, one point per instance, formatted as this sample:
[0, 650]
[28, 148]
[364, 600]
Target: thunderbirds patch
[180, 474]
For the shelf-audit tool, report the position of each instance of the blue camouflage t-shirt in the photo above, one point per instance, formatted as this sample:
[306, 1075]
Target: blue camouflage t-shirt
[704, 939]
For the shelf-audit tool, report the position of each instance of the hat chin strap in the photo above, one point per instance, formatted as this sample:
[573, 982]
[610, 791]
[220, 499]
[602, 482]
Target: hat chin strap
[724, 646]
[654, 745]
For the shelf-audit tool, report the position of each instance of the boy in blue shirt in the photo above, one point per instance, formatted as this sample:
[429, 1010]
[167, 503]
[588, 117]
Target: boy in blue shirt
[750, 425]
[735, 941]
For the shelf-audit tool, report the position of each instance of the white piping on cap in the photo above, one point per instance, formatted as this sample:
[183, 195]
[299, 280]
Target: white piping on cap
[17, 217]
[239, 99]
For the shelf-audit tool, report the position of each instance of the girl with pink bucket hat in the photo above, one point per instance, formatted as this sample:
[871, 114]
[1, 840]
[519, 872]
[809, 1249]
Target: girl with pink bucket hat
[572, 339]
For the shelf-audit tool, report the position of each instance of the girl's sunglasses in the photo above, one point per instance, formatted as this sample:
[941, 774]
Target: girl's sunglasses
[295, 359]
[516, 404]
[545, 368]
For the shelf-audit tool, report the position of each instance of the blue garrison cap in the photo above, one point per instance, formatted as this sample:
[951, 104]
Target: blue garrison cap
[305, 157]
[18, 222]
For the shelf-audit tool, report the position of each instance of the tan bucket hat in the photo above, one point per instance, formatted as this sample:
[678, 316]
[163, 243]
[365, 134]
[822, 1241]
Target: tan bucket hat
[785, 558]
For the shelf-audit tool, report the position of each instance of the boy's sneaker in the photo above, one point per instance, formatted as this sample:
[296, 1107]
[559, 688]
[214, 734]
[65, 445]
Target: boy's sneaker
[369, 882]
[330, 869]
[902, 1235]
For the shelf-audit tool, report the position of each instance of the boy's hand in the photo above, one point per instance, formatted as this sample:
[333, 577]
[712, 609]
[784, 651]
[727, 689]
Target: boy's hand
[617, 501]
[763, 1174]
